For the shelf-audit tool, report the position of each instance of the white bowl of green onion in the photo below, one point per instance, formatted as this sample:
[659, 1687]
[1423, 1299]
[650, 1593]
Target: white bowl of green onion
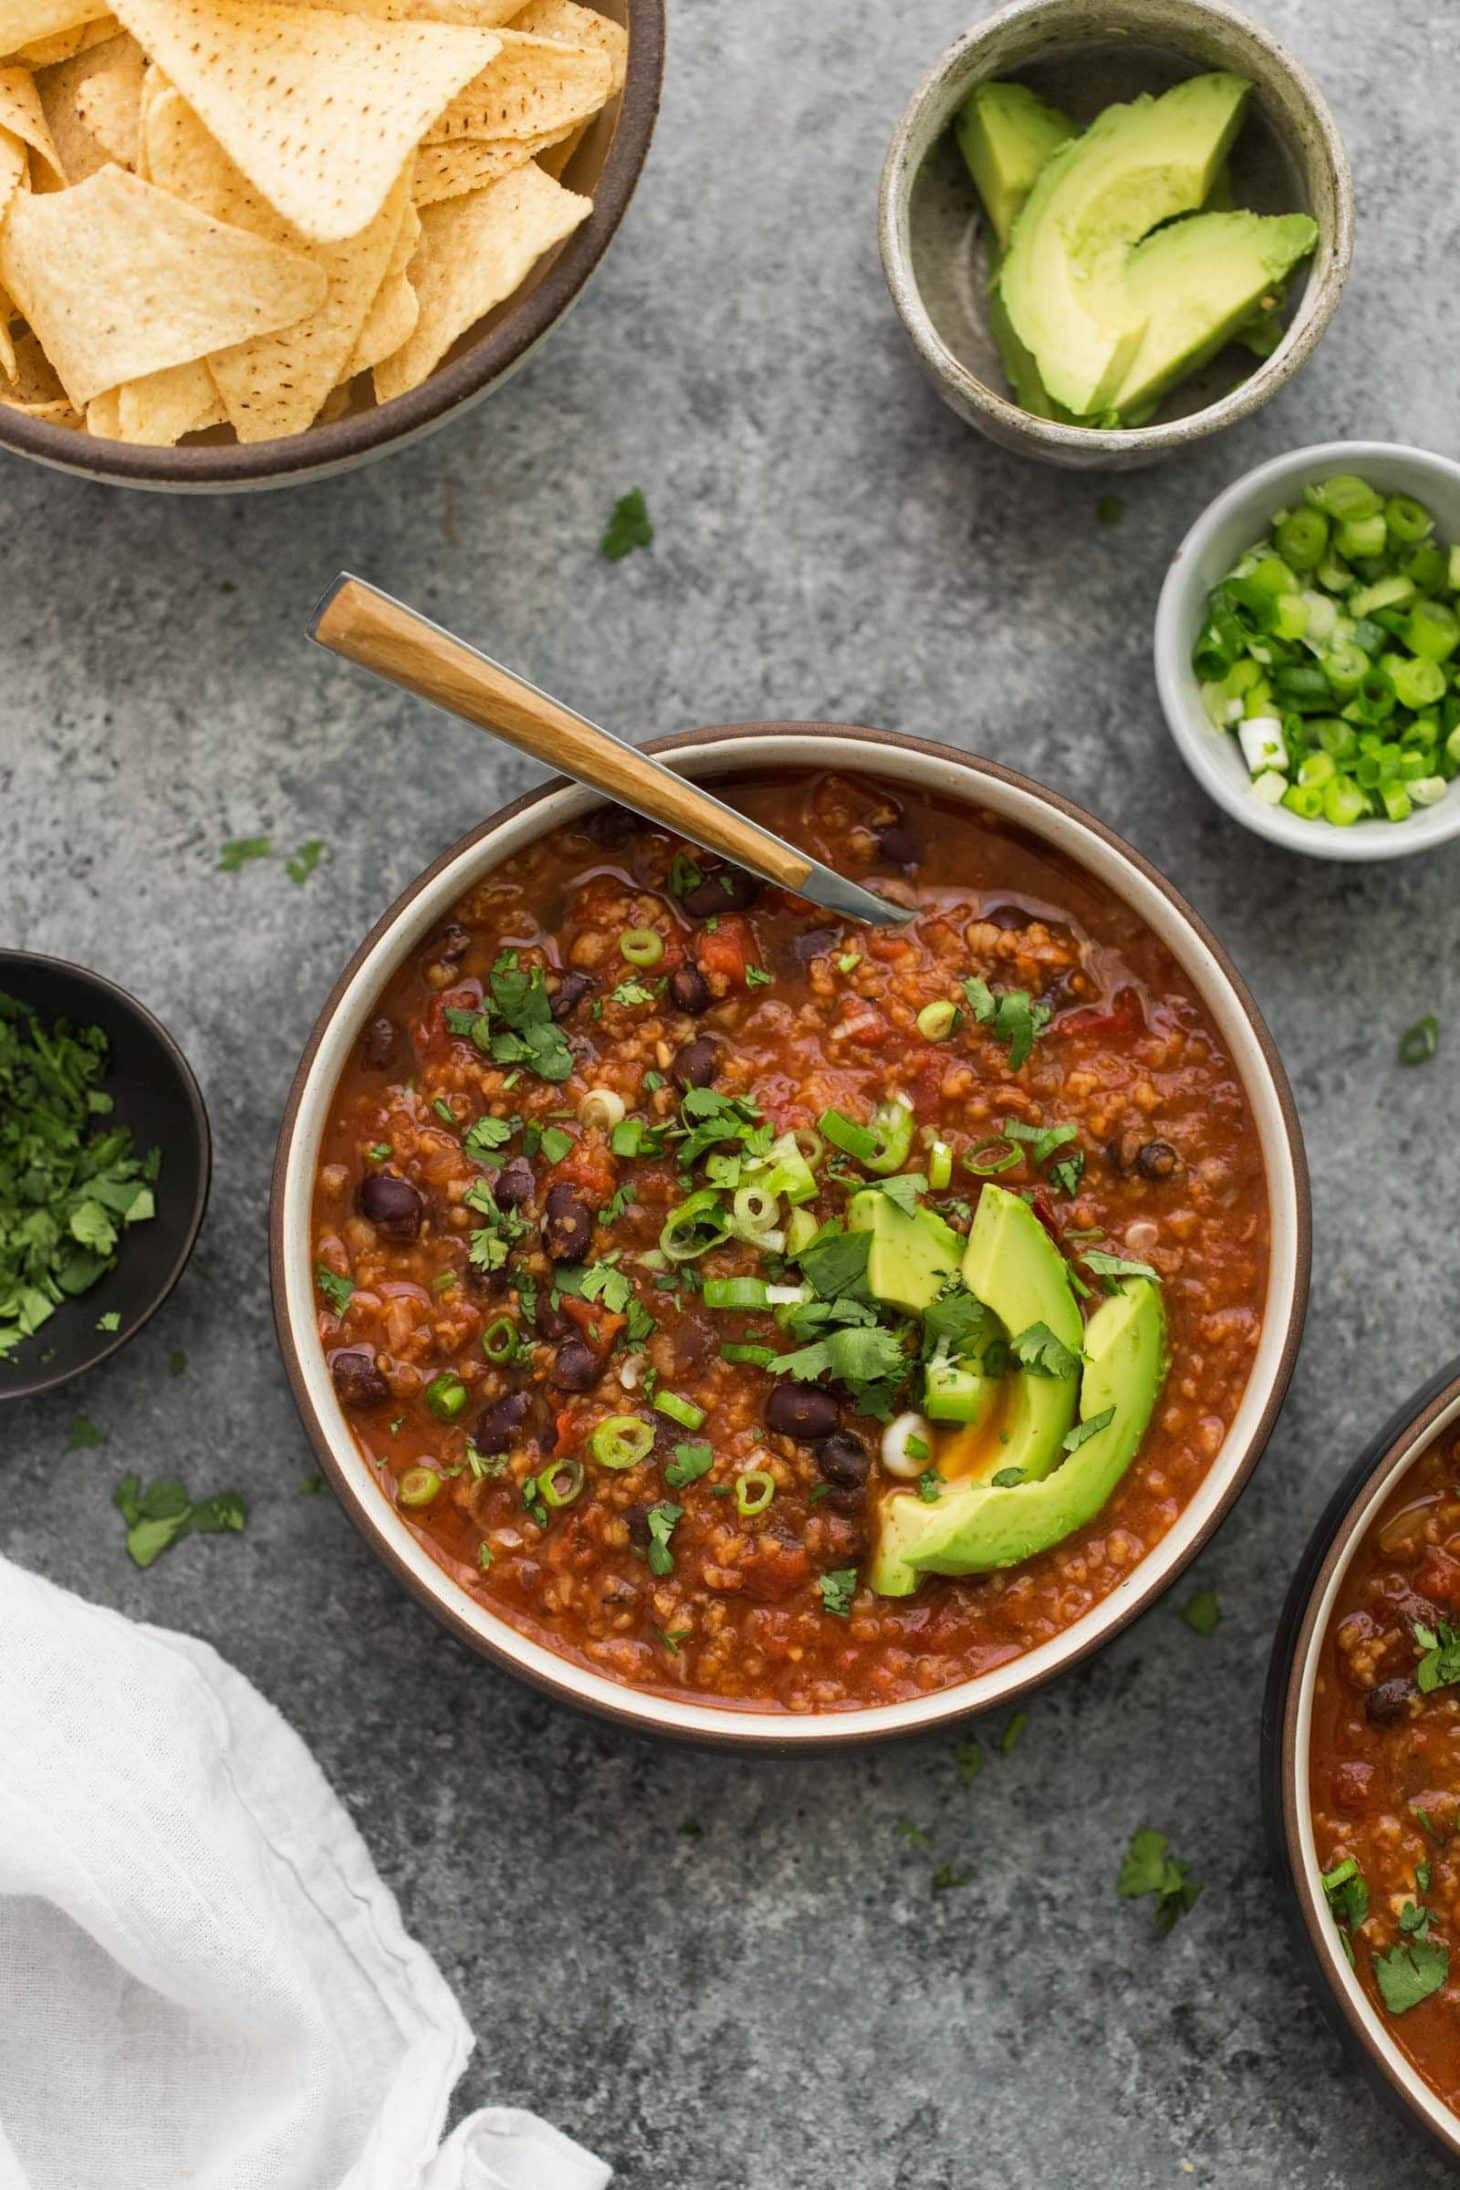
[1308, 650]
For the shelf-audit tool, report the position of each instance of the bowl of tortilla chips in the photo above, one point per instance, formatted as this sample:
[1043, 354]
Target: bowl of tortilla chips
[245, 242]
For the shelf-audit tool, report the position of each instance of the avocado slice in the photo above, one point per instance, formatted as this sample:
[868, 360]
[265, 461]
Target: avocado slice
[1014, 1267]
[1063, 279]
[911, 1257]
[957, 1391]
[1006, 132]
[1197, 282]
[977, 1527]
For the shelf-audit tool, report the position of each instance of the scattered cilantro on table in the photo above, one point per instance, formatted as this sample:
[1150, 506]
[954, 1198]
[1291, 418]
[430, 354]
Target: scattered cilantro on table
[239, 850]
[305, 860]
[1203, 1612]
[160, 1514]
[1150, 1868]
[1417, 1044]
[83, 1435]
[628, 528]
[968, 1756]
[70, 1184]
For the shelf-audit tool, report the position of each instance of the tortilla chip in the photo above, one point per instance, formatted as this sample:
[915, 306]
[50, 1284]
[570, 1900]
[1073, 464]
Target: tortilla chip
[119, 279]
[7, 346]
[473, 252]
[24, 22]
[33, 387]
[470, 163]
[575, 26]
[109, 98]
[23, 115]
[14, 168]
[46, 52]
[274, 383]
[320, 110]
[61, 90]
[536, 87]
[335, 405]
[159, 409]
[391, 319]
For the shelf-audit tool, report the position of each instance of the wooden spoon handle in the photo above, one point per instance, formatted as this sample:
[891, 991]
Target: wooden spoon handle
[381, 634]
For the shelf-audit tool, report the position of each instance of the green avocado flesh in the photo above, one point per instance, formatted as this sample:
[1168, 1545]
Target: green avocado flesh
[1014, 1267]
[911, 1257]
[1006, 133]
[974, 1528]
[1064, 277]
[1197, 283]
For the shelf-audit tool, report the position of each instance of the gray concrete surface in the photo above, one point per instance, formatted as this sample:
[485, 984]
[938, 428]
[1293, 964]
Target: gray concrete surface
[781, 2003]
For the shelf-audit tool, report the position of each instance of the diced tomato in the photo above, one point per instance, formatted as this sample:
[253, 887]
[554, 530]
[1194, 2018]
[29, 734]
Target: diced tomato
[862, 1023]
[1124, 1017]
[883, 945]
[590, 1168]
[1439, 1578]
[1351, 1782]
[597, 1325]
[773, 1569]
[725, 948]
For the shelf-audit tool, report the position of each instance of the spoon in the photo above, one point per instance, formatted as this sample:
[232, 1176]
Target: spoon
[381, 634]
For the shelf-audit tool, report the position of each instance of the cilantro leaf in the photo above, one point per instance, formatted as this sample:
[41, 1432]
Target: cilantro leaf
[834, 1261]
[159, 1514]
[866, 1360]
[1038, 1350]
[1203, 1612]
[690, 1462]
[239, 850]
[84, 1434]
[628, 528]
[1150, 1868]
[1093, 1424]
[663, 1520]
[305, 860]
[1013, 1018]
[1112, 1267]
[1439, 1665]
[968, 1756]
[338, 1291]
[1409, 1974]
[838, 1588]
[486, 1134]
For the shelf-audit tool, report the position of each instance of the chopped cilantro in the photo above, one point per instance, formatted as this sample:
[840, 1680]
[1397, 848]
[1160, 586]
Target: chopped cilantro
[338, 1291]
[672, 1637]
[917, 1448]
[1348, 1900]
[1013, 1731]
[160, 1513]
[632, 992]
[1409, 1974]
[1439, 1665]
[1150, 1868]
[239, 850]
[870, 1362]
[444, 1111]
[628, 528]
[1110, 509]
[556, 1144]
[690, 1462]
[1114, 1267]
[930, 1483]
[111, 1321]
[947, 1880]
[849, 962]
[1038, 1350]
[177, 1363]
[913, 1834]
[379, 1152]
[968, 1756]
[1012, 1018]
[685, 874]
[1418, 1043]
[1203, 1613]
[311, 1485]
[1007, 1478]
[663, 1519]
[486, 1134]
[484, 1557]
[83, 1434]
[838, 1588]
[834, 1262]
[756, 977]
[1091, 1427]
[690, 1828]
[305, 860]
[1068, 1172]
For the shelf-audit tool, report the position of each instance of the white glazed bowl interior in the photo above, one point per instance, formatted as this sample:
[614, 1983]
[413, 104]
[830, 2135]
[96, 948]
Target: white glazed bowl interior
[1012, 801]
[1233, 523]
[1324, 1934]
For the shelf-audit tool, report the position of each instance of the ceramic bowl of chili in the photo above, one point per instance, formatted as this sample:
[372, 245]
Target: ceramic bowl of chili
[539, 1347]
[1361, 1733]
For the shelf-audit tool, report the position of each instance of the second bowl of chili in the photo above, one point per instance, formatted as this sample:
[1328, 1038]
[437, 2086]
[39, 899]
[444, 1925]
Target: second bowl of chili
[590, 1131]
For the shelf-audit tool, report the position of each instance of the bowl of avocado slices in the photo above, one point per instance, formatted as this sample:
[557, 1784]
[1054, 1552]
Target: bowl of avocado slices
[1113, 230]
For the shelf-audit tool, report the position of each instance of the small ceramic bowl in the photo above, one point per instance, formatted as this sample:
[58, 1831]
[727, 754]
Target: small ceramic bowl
[1234, 523]
[1286, 1734]
[154, 1092]
[605, 165]
[704, 755]
[1084, 55]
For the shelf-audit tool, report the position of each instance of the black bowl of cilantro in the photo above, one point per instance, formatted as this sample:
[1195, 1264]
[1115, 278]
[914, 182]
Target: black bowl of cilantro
[105, 1161]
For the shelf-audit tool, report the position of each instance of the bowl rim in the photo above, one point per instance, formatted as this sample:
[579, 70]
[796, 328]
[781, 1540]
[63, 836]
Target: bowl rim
[384, 427]
[1199, 746]
[1286, 1725]
[130, 1006]
[1018, 427]
[730, 1726]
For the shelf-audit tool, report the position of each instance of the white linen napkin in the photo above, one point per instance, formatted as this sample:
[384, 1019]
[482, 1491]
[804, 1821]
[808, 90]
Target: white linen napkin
[203, 1981]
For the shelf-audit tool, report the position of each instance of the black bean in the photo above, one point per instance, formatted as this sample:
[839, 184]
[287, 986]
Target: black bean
[576, 1367]
[843, 1461]
[570, 992]
[1008, 916]
[801, 1410]
[899, 844]
[638, 1520]
[378, 1044]
[514, 1184]
[392, 1205]
[694, 1062]
[451, 946]
[689, 990]
[1388, 1701]
[356, 1378]
[1157, 1160]
[813, 943]
[723, 890]
[1412, 1609]
[550, 1321]
[501, 1424]
[567, 1225]
[612, 824]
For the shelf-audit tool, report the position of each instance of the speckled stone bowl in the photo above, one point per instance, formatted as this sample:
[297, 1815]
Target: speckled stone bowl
[1084, 55]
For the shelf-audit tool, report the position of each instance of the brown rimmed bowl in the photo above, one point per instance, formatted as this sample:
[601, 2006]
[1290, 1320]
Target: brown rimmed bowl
[1286, 1737]
[705, 755]
[1086, 55]
[154, 1093]
[605, 165]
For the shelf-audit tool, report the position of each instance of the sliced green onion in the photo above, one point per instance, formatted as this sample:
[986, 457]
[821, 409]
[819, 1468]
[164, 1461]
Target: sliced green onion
[937, 1021]
[446, 1396]
[499, 1339]
[561, 1483]
[754, 1213]
[695, 1226]
[845, 1133]
[621, 1440]
[940, 1166]
[1418, 1043]
[754, 1491]
[736, 1292]
[679, 1409]
[604, 1106]
[1408, 521]
[983, 1161]
[641, 946]
[801, 1230]
[418, 1487]
[755, 1357]
[1343, 802]
[811, 1146]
